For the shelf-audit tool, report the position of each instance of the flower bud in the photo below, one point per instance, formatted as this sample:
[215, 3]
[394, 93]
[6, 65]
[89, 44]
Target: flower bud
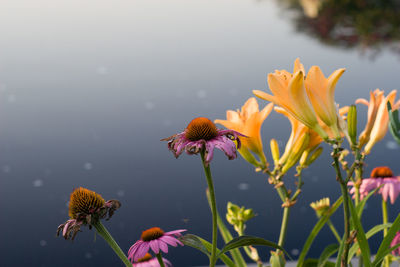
[275, 150]
[314, 156]
[352, 124]
[297, 151]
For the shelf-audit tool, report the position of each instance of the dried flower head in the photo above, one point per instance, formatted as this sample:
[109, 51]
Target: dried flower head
[202, 134]
[86, 207]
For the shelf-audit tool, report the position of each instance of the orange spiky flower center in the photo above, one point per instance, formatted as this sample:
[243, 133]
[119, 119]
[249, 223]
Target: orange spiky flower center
[152, 234]
[201, 128]
[84, 201]
[146, 257]
[381, 172]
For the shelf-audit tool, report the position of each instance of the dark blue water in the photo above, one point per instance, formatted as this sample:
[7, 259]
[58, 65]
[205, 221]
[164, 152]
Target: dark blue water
[89, 88]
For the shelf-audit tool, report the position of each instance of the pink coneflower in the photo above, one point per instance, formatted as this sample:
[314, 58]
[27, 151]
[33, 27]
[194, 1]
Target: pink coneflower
[157, 240]
[380, 176]
[149, 261]
[395, 241]
[201, 133]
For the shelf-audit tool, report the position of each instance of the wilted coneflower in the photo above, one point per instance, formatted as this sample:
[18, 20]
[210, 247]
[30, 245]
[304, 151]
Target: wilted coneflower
[202, 134]
[380, 176]
[149, 261]
[86, 207]
[156, 239]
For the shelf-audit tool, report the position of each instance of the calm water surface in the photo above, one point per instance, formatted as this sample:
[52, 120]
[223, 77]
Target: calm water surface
[87, 90]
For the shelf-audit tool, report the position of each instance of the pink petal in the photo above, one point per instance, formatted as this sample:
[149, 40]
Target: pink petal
[154, 246]
[169, 240]
[175, 232]
[163, 246]
[141, 251]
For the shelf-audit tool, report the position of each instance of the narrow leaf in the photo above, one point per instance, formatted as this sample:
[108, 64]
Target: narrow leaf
[388, 251]
[328, 252]
[245, 240]
[361, 238]
[385, 245]
[374, 230]
[205, 247]
[361, 205]
[318, 226]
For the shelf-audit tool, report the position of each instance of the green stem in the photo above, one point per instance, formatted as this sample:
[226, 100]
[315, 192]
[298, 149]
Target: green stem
[160, 260]
[207, 172]
[110, 240]
[285, 220]
[386, 262]
[334, 231]
[346, 209]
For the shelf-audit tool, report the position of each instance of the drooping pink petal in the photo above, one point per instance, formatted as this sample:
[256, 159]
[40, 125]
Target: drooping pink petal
[175, 232]
[154, 246]
[170, 240]
[163, 246]
[141, 251]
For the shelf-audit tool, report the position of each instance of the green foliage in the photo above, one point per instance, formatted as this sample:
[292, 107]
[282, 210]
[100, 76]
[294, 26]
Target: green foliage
[326, 254]
[318, 226]
[243, 241]
[205, 247]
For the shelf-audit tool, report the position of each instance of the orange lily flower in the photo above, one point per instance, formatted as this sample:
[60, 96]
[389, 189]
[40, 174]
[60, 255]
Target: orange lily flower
[308, 99]
[378, 117]
[321, 92]
[298, 131]
[248, 122]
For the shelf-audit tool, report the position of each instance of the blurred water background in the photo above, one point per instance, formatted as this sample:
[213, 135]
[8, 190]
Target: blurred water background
[88, 88]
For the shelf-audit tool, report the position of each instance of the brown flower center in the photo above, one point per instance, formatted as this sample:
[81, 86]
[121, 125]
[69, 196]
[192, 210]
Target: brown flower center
[381, 172]
[84, 201]
[152, 234]
[146, 257]
[201, 128]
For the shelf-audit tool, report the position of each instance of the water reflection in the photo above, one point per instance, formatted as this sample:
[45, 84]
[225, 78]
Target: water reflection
[368, 25]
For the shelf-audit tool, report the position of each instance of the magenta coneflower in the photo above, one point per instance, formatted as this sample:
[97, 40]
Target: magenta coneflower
[380, 176]
[201, 133]
[395, 241]
[157, 240]
[149, 261]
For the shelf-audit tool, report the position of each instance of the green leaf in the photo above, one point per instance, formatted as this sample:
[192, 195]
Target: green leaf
[205, 247]
[328, 252]
[374, 230]
[245, 240]
[227, 236]
[361, 205]
[318, 226]
[361, 238]
[194, 242]
[378, 260]
[385, 245]
[340, 252]
[310, 263]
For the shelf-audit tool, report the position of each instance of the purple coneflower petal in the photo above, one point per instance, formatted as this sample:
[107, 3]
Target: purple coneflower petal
[141, 251]
[163, 246]
[154, 246]
[175, 232]
[170, 240]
